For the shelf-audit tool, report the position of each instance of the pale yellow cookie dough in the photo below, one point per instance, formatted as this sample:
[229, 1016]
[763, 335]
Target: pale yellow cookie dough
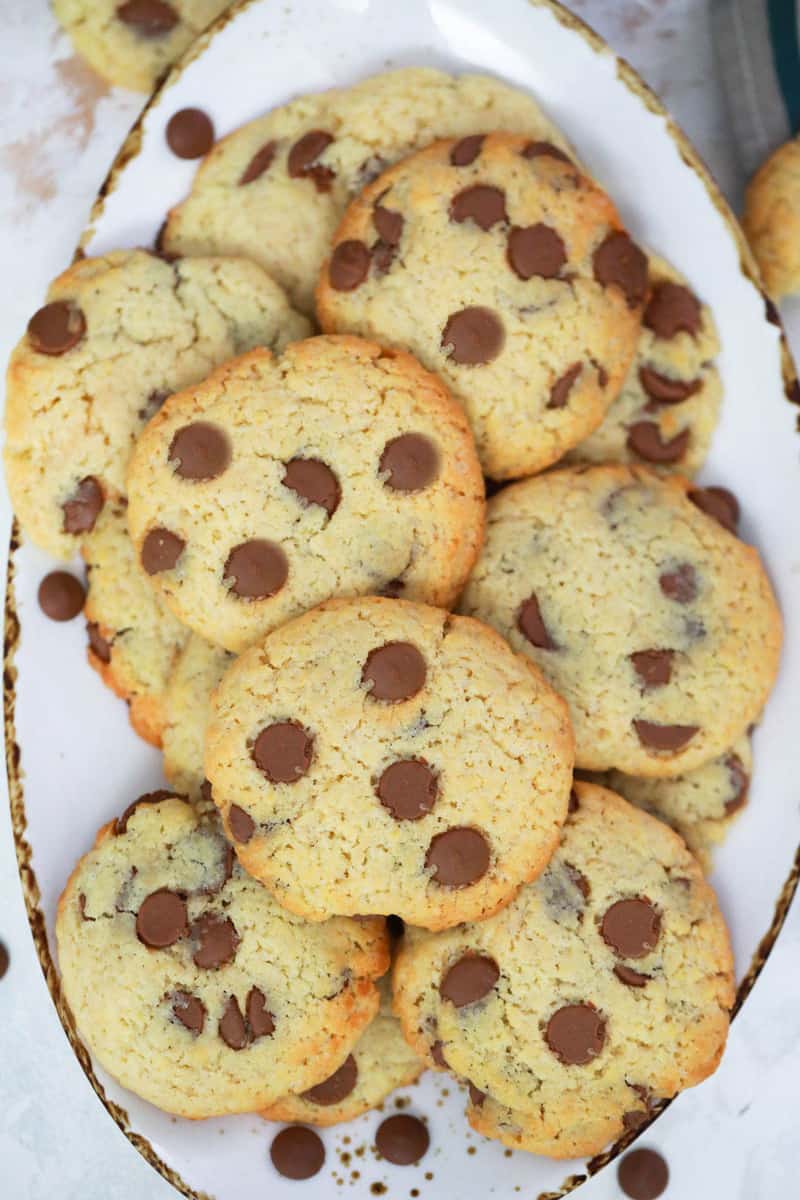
[187, 704]
[772, 219]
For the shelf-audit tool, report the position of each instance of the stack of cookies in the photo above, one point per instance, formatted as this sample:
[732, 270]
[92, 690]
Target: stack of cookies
[511, 729]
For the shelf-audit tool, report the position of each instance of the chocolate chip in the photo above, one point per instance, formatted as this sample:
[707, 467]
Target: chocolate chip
[190, 1011]
[302, 162]
[161, 920]
[643, 1175]
[383, 255]
[579, 879]
[313, 482]
[545, 149]
[260, 162]
[631, 927]
[61, 596]
[161, 550]
[257, 569]
[83, 507]
[630, 977]
[561, 389]
[402, 1139]
[469, 980]
[241, 824]
[680, 584]
[437, 1054]
[473, 336]
[664, 390]
[337, 1087]
[190, 133]
[121, 823]
[644, 438]
[465, 151]
[532, 626]
[576, 1034]
[260, 1021]
[664, 737]
[481, 203]
[232, 1028]
[719, 503]
[458, 857]
[618, 261]
[215, 940]
[396, 671]
[283, 751]
[672, 309]
[349, 267]
[200, 451]
[4, 960]
[297, 1153]
[654, 667]
[408, 789]
[154, 402]
[97, 643]
[476, 1096]
[740, 782]
[56, 328]
[536, 250]
[388, 224]
[149, 18]
[409, 462]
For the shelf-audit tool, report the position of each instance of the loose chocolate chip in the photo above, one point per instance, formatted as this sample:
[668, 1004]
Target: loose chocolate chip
[395, 671]
[402, 1139]
[336, 1087]
[161, 920]
[350, 263]
[121, 823]
[561, 389]
[536, 250]
[437, 1054]
[283, 751]
[388, 224]
[473, 336]
[149, 18]
[476, 1096]
[740, 782]
[297, 1153]
[190, 1011]
[260, 162]
[532, 626]
[313, 482]
[484, 205]
[61, 596]
[643, 1175]
[57, 327]
[469, 980]
[4, 960]
[302, 162]
[200, 451]
[545, 149]
[408, 789]
[576, 1034]
[719, 503]
[190, 133]
[458, 857]
[654, 667]
[161, 550]
[664, 737]
[257, 569]
[629, 977]
[97, 643]
[618, 261]
[664, 390]
[631, 927]
[679, 585]
[241, 824]
[215, 939]
[644, 438]
[83, 507]
[396, 927]
[154, 402]
[464, 153]
[672, 309]
[259, 1019]
[232, 1028]
[409, 462]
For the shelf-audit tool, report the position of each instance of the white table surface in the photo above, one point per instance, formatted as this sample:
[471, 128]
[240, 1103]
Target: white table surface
[737, 1136]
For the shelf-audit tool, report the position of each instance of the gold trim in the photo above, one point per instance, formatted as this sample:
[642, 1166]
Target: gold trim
[30, 888]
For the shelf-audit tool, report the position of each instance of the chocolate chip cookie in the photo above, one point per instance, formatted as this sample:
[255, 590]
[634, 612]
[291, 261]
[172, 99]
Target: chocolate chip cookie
[654, 621]
[376, 756]
[338, 469]
[190, 984]
[187, 706]
[603, 986]
[772, 219]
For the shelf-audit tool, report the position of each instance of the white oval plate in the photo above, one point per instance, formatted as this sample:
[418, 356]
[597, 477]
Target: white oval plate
[80, 762]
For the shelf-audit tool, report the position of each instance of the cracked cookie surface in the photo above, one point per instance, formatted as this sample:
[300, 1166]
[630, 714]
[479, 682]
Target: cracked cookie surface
[187, 707]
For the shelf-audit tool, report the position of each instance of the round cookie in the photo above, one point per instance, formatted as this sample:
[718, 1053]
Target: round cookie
[366, 477]
[510, 276]
[380, 1062]
[132, 43]
[190, 984]
[667, 410]
[187, 704]
[117, 335]
[385, 757]
[603, 986]
[654, 622]
[772, 219]
[275, 189]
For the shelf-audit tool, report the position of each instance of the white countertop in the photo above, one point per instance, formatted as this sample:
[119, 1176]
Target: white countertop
[735, 1136]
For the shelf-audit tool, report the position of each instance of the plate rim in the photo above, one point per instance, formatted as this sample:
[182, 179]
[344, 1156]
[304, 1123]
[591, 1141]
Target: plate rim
[127, 152]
